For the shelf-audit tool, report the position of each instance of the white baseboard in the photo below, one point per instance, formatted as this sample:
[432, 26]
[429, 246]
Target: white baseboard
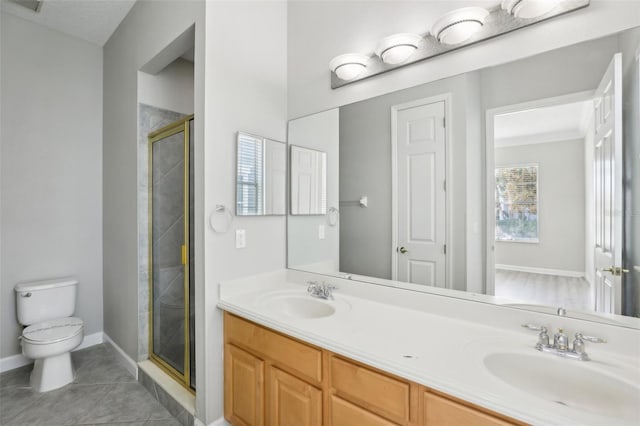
[544, 271]
[220, 422]
[127, 361]
[19, 360]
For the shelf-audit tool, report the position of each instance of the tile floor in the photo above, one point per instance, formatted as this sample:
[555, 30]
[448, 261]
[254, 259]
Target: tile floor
[104, 393]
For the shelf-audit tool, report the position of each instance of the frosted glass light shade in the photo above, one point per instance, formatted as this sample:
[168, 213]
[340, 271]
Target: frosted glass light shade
[398, 48]
[459, 25]
[349, 65]
[527, 9]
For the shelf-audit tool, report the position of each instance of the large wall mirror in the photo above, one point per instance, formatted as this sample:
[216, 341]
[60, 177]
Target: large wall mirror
[517, 184]
[261, 175]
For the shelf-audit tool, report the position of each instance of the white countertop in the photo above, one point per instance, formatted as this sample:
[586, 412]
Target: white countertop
[442, 352]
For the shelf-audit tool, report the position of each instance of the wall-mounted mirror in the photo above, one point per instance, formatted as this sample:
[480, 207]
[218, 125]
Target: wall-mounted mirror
[506, 184]
[308, 181]
[261, 173]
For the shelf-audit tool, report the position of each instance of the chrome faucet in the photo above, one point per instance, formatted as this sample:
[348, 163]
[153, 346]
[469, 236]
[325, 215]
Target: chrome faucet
[560, 345]
[321, 291]
[560, 340]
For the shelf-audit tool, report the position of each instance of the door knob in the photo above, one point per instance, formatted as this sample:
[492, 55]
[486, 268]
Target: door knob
[402, 250]
[616, 271]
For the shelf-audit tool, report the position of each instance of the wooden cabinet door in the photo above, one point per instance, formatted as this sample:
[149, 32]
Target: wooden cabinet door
[292, 402]
[439, 411]
[243, 387]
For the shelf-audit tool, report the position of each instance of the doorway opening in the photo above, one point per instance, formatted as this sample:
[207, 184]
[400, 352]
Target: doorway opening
[554, 199]
[171, 262]
[166, 330]
[542, 204]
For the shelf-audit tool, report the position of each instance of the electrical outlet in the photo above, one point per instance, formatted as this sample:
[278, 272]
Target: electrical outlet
[321, 232]
[241, 238]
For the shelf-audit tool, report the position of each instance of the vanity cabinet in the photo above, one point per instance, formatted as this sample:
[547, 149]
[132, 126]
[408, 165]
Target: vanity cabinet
[272, 379]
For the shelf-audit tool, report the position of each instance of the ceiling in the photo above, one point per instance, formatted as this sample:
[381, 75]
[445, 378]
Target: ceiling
[90, 20]
[542, 125]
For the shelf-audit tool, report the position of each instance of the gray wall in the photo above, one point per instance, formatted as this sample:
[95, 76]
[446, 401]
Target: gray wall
[561, 194]
[51, 168]
[558, 72]
[146, 30]
[170, 89]
[365, 169]
[630, 48]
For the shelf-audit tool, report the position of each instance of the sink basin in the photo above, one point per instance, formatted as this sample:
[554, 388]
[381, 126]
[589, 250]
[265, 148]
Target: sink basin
[301, 305]
[567, 382]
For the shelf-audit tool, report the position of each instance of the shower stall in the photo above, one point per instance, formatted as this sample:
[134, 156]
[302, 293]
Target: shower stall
[171, 260]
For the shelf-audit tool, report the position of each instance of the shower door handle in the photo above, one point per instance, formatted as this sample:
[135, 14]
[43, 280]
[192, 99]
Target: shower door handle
[184, 254]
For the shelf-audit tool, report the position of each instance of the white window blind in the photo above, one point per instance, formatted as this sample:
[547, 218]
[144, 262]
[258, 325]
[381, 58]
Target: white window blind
[516, 196]
[250, 178]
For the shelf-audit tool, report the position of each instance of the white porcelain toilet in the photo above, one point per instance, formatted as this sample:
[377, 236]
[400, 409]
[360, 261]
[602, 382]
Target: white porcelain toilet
[45, 307]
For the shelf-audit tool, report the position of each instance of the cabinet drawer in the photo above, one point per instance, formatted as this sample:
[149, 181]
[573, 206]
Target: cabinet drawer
[303, 360]
[376, 392]
[344, 413]
[445, 412]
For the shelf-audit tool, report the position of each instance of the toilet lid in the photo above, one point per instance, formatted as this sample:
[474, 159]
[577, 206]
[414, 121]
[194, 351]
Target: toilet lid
[54, 330]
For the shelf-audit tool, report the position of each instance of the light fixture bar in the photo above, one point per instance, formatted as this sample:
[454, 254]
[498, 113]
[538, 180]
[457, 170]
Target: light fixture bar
[498, 22]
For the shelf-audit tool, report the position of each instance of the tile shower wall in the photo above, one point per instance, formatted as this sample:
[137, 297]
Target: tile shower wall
[150, 118]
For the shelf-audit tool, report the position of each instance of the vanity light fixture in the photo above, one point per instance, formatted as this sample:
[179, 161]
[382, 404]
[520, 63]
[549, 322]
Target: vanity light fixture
[528, 9]
[459, 25]
[349, 65]
[454, 30]
[397, 48]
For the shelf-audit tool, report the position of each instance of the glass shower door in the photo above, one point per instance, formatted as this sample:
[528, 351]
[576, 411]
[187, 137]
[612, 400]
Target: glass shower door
[170, 217]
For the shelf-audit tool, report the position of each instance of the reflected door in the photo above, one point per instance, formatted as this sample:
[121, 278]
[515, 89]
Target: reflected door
[608, 187]
[420, 183]
[171, 292]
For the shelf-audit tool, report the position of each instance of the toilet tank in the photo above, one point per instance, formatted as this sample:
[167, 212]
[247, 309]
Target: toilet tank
[38, 301]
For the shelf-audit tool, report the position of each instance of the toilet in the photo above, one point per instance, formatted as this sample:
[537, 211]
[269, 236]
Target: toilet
[51, 333]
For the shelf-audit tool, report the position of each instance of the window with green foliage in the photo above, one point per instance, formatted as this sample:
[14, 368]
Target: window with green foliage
[517, 203]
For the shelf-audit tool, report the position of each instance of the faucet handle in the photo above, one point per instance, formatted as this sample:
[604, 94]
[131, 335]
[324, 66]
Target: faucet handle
[535, 327]
[311, 286]
[592, 339]
[543, 337]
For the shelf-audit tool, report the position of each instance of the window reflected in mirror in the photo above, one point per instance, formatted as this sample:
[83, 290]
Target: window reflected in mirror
[260, 176]
[517, 203]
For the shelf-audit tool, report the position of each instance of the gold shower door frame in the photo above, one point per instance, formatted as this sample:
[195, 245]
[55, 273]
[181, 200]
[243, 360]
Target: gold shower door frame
[181, 125]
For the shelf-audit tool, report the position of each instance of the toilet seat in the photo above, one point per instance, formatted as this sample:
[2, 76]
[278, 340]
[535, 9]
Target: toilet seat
[54, 331]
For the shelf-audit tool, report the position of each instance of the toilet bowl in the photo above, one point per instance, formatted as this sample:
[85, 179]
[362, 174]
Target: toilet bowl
[51, 333]
[49, 344]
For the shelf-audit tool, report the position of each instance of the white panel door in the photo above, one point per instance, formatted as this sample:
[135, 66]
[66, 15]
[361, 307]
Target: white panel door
[420, 157]
[608, 187]
[308, 181]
